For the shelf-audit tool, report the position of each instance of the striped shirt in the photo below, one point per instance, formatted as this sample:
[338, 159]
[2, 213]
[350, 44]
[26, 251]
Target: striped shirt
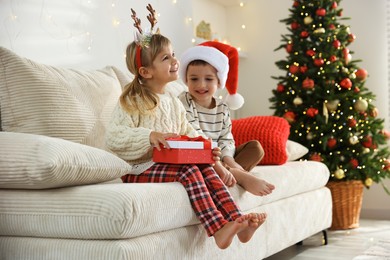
[214, 123]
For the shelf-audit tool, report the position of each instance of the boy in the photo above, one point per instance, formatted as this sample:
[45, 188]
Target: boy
[204, 69]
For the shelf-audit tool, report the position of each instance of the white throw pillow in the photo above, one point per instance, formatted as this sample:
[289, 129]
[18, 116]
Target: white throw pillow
[75, 105]
[295, 150]
[30, 161]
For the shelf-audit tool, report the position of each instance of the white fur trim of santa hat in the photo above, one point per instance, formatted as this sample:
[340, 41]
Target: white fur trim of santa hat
[210, 55]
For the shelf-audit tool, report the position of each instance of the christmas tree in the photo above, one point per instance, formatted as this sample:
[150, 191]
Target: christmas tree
[322, 95]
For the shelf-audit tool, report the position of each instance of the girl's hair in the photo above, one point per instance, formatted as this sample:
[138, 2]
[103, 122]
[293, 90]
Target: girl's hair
[140, 97]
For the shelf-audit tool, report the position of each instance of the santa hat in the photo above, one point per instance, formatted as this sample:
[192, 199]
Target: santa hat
[224, 58]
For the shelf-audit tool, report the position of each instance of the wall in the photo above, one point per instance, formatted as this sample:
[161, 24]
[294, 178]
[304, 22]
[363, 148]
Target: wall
[212, 13]
[86, 33]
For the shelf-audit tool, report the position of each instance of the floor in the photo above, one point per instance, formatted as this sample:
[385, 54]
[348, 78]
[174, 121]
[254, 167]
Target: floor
[343, 245]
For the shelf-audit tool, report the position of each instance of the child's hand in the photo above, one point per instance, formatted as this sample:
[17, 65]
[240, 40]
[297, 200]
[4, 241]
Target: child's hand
[157, 138]
[225, 175]
[217, 154]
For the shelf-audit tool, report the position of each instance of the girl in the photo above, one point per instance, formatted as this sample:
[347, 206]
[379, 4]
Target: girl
[145, 116]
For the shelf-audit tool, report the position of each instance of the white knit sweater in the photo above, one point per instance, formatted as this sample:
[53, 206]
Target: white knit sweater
[128, 134]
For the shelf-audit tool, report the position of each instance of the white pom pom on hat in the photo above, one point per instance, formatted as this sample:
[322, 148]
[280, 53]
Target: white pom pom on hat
[224, 58]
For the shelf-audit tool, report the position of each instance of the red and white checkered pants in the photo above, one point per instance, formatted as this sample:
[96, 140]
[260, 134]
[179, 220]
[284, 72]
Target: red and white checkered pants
[209, 197]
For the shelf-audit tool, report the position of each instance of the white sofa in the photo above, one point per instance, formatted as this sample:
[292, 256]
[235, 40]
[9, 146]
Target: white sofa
[60, 193]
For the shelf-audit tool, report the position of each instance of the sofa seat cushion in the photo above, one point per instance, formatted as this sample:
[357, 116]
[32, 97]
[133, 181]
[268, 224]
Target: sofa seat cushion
[282, 229]
[119, 210]
[290, 179]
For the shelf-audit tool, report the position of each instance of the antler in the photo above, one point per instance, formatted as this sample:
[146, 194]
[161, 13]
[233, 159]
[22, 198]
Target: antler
[137, 21]
[152, 16]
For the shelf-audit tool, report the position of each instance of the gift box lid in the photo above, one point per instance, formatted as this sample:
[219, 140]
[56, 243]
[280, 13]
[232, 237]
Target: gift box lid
[189, 144]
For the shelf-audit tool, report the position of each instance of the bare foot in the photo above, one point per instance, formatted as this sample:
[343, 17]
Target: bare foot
[251, 183]
[256, 220]
[224, 237]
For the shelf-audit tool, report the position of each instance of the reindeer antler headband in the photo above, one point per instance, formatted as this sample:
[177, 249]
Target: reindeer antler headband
[142, 38]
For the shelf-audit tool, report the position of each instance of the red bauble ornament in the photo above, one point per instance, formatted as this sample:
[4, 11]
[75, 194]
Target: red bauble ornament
[293, 69]
[294, 25]
[346, 55]
[312, 112]
[333, 58]
[361, 74]
[321, 12]
[280, 88]
[351, 37]
[316, 157]
[304, 34]
[303, 69]
[346, 83]
[352, 122]
[332, 27]
[318, 62]
[289, 116]
[354, 163]
[289, 48]
[385, 133]
[331, 142]
[336, 44]
[295, 4]
[310, 53]
[308, 83]
[386, 165]
[367, 141]
[334, 5]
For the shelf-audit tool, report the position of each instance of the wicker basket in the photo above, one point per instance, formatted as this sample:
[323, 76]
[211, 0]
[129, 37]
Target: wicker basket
[347, 202]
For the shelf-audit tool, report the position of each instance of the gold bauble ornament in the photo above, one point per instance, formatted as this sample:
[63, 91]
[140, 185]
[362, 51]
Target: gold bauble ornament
[374, 112]
[297, 101]
[368, 182]
[319, 31]
[361, 105]
[353, 140]
[332, 105]
[339, 174]
[308, 20]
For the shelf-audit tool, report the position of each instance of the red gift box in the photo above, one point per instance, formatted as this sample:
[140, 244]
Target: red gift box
[186, 150]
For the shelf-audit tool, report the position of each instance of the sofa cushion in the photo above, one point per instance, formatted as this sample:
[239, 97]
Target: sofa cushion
[295, 150]
[75, 105]
[271, 131]
[117, 211]
[30, 161]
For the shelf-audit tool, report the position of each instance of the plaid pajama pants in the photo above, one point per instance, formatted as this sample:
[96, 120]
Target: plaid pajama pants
[209, 197]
